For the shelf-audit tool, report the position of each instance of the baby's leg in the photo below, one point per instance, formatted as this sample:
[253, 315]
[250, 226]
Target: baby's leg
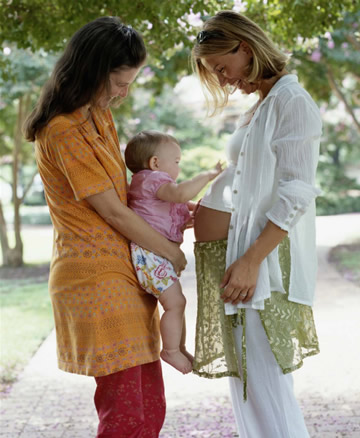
[183, 341]
[171, 328]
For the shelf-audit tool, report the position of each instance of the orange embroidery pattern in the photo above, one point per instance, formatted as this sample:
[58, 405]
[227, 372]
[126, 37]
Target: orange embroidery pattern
[104, 321]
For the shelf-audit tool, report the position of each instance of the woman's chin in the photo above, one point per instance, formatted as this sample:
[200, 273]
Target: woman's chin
[247, 90]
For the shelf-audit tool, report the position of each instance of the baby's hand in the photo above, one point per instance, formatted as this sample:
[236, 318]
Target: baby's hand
[216, 171]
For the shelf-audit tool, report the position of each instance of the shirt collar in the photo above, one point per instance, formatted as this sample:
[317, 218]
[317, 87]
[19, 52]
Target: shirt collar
[283, 82]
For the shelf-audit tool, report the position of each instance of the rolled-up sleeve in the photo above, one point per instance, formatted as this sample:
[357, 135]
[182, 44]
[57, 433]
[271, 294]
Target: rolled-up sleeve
[296, 143]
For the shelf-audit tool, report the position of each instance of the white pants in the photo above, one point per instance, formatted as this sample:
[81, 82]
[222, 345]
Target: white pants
[271, 410]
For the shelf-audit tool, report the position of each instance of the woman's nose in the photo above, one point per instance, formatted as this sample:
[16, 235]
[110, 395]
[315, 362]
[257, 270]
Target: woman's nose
[222, 79]
[123, 92]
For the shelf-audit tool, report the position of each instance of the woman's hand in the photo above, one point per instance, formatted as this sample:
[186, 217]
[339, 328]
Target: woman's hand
[133, 227]
[192, 206]
[239, 281]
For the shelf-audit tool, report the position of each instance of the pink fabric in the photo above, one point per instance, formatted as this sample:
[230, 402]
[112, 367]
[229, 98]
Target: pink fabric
[166, 217]
[131, 403]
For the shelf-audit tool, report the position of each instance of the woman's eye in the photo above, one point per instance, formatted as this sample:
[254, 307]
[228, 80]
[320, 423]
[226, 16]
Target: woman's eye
[221, 70]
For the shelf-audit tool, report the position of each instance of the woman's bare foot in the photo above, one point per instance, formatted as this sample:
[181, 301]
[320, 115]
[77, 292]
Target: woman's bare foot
[177, 359]
[187, 354]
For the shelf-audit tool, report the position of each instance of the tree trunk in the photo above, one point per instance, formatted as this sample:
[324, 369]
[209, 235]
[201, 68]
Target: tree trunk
[14, 256]
[4, 238]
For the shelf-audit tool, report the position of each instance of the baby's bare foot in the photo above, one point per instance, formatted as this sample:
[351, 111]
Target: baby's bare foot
[187, 354]
[176, 359]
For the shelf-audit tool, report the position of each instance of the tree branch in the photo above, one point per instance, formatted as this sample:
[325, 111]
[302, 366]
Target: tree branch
[341, 96]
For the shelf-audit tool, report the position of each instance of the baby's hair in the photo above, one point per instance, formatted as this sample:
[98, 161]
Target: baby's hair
[142, 147]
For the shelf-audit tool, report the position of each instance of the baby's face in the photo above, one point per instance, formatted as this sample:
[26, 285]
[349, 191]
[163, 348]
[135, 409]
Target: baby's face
[169, 156]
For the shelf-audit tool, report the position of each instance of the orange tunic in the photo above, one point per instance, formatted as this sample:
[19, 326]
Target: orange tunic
[104, 321]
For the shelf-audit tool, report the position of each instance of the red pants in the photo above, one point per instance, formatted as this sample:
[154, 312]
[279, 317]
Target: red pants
[131, 403]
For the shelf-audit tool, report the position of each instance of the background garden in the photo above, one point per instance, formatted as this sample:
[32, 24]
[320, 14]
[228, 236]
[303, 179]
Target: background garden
[323, 38]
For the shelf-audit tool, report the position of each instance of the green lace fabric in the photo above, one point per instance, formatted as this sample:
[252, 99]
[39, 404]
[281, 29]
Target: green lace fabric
[215, 354]
[289, 326]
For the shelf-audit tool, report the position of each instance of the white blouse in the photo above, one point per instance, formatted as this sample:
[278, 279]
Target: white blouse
[274, 180]
[219, 194]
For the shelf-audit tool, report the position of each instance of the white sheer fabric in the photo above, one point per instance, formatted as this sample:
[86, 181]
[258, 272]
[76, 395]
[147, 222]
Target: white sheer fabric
[271, 410]
[275, 180]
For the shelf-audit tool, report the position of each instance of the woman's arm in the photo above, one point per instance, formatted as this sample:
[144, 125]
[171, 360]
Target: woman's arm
[187, 190]
[241, 277]
[295, 142]
[135, 228]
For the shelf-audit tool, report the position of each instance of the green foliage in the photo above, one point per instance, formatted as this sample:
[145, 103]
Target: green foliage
[43, 24]
[337, 53]
[341, 194]
[26, 71]
[48, 25]
[26, 320]
[25, 74]
[201, 158]
[168, 27]
[166, 113]
[337, 192]
[287, 20]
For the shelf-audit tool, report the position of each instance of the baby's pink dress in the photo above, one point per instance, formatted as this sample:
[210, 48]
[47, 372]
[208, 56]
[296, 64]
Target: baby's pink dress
[155, 273]
[168, 218]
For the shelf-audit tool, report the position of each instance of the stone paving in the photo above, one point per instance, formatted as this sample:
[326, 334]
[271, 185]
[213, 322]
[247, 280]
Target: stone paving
[48, 403]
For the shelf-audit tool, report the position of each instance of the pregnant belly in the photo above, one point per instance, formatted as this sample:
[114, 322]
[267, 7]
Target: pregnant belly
[211, 224]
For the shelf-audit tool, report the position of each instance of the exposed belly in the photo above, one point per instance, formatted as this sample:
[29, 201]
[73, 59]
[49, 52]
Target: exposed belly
[211, 224]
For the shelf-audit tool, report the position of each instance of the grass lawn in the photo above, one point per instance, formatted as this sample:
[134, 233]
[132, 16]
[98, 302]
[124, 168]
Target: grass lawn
[26, 316]
[26, 320]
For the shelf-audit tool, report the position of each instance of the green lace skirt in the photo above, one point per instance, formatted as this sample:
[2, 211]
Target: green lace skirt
[289, 326]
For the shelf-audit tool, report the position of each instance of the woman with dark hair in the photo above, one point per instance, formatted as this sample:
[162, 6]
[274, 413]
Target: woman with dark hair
[107, 326]
[255, 231]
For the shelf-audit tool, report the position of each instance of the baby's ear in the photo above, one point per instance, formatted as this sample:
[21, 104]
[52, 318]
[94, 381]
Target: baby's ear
[153, 163]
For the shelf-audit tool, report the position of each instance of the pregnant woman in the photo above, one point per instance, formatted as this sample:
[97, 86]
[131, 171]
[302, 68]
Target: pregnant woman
[255, 231]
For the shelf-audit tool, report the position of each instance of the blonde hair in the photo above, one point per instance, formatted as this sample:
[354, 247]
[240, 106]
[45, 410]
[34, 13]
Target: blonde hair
[221, 35]
[144, 146]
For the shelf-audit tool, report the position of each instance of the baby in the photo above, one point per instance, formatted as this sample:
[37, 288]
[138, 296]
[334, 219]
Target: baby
[154, 159]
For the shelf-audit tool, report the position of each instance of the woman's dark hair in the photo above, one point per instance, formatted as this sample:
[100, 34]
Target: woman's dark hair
[83, 70]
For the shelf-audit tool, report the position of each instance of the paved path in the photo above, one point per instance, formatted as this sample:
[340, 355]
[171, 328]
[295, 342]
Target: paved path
[48, 403]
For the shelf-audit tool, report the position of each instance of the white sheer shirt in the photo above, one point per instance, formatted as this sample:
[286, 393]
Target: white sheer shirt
[275, 180]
